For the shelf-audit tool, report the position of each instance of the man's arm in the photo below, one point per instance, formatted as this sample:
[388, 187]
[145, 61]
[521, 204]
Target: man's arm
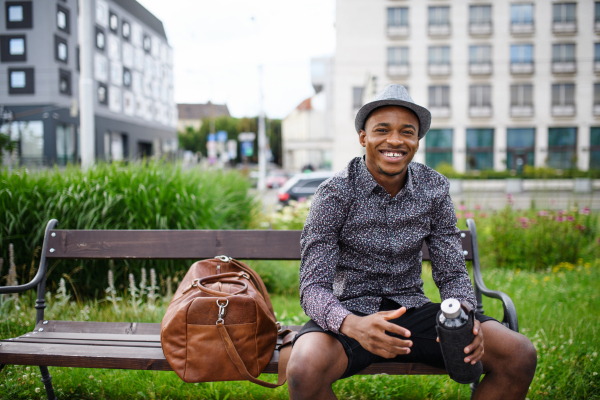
[319, 258]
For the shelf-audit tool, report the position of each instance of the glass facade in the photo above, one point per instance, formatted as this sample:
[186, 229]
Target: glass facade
[65, 144]
[594, 148]
[30, 138]
[520, 148]
[480, 149]
[562, 144]
[438, 147]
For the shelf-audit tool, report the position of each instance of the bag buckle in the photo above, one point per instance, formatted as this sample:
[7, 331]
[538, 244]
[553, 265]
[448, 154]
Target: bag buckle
[223, 258]
[194, 284]
[222, 311]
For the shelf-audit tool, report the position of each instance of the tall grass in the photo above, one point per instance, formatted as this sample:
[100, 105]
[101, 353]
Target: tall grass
[140, 195]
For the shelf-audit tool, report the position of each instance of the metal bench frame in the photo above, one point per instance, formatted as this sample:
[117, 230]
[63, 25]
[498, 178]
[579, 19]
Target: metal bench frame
[137, 345]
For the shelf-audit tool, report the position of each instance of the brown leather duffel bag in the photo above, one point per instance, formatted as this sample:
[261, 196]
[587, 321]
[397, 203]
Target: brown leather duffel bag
[220, 325]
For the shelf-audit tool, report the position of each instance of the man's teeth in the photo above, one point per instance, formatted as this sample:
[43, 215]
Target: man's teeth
[388, 154]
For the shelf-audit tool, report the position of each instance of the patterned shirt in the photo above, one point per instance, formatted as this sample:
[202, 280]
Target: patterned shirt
[359, 244]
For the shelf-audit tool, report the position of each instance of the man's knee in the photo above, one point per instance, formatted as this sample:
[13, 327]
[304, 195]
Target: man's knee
[509, 353]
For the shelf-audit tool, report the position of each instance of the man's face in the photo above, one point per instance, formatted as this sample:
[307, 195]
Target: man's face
[391, 138]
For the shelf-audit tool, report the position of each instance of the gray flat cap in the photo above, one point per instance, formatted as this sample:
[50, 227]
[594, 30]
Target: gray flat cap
[394, 95]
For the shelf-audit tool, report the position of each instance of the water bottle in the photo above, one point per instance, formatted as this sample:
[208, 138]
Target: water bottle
[455, 330]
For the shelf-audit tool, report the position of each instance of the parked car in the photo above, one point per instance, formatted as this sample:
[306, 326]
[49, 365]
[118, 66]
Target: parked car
[276, 178]
[302, 186]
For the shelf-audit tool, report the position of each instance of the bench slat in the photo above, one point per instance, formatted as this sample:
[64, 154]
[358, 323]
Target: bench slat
[125, 328]
[89, 342]
[121, 357]
[90, 336]
[188, 245]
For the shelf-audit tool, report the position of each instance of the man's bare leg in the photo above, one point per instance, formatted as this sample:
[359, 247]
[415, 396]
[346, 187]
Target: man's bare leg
[509, 362]
[316, 362]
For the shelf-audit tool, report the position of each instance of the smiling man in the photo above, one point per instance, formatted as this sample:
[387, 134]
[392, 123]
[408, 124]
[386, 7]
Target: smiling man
[360, 272]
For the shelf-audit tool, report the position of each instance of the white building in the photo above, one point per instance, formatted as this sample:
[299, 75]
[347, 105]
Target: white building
[508, 83]
[307, 132]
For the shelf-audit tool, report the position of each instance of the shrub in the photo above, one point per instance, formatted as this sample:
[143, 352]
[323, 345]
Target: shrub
[139, 195]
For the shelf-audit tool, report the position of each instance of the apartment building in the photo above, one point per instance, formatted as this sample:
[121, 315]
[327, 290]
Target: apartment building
[135, 114]
[509, 83]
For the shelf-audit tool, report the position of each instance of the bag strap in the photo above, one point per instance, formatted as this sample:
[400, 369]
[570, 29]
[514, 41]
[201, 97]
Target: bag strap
[284, 355]
[257, 279]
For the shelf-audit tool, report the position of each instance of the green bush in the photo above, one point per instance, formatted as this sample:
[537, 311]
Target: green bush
[529, 172]
[153, 195]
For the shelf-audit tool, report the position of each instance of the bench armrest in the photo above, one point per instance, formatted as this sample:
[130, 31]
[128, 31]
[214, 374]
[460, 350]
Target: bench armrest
[510, 312]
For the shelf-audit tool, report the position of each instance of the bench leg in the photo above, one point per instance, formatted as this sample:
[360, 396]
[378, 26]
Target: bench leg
[474, 387]
[47, 381]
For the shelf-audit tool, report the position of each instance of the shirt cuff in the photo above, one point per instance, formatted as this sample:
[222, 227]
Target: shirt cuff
[336, 318]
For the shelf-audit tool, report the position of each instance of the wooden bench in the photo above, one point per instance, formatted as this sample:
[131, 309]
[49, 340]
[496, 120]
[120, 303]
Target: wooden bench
[132, 345]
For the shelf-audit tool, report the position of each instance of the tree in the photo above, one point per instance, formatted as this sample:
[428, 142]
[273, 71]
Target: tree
[6, 144]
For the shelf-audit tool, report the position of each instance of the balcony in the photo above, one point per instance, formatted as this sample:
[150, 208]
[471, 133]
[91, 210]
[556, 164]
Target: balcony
[564, 28]
[440, 111]
[563, 110]
[397, 31]
[480, 68]
[480, 111]
[597, 26]
[521, 111]
[440, 30]
[398, 70]
[521, 68]
[439, 69]
[597, 110]
[522, 29]
[481, 29]
[596, 66]
[564, 67]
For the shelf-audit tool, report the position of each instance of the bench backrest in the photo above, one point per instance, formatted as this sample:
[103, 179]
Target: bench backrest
[186, 244]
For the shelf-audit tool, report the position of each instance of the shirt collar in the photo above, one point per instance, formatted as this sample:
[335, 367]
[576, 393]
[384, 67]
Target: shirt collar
[367, 183]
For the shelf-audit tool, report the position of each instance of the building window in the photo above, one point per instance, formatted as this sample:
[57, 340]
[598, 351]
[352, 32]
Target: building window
[65, 144]
[480, 101]
[62, 19]
[102, 93]
[521, 18]
[20, 81]
[100, 68]
[480, 20]
[520, 148]
[113, 22]
[480, 149]
[127, 77]
[597, 99]
[147, 43]
[13, 48]
[439, 60]
[64, 82]
[563, 58]
[438, 147]
[562, 144]
[30, 135]
[101, 13]
[439, 96]
[100, 39]
[480, 60]
[125, 30]
[521, 58]
[18, 15]
[398, 61]
[595, 148]
[564, 18]
[521, 100]
[61, 52]
[597, 16]
[563, 100]
[357, 97]
[439, 20]
[397, 24]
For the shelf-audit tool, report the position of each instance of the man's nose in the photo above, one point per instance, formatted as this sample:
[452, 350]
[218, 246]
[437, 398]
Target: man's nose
[395, 138]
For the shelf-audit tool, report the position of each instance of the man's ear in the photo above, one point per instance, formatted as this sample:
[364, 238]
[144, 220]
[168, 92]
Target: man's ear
[362, 138]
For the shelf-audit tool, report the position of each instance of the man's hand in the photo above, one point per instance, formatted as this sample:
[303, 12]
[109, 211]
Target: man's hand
[369, 331]
[474, 351]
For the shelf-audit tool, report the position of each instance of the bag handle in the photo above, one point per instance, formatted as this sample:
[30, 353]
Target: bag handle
[256, 278]
[284, 356]
[223, 294]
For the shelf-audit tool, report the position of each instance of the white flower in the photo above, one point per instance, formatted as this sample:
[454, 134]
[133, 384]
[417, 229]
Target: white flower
[595, 373]
[594, 354]
[25, 376]
[91, 376]
[37, 390]
[27, 368]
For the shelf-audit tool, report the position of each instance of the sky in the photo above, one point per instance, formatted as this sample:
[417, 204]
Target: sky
[218, 46]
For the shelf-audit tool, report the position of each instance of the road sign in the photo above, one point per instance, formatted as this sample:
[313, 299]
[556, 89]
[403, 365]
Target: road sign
[211, 137]
[232, 149]
[247, 149]
[247, 136]
[222, 136]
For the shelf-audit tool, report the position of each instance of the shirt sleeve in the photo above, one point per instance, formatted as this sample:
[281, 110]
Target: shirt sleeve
[319, 258]
[445, 249]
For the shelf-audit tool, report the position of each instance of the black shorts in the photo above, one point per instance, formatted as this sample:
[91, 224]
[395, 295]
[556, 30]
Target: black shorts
[419, 321]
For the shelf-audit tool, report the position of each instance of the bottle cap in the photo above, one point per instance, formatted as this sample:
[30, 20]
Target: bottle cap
[451, 308]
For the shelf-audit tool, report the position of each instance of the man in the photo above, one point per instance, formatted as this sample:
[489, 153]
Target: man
[360, 273]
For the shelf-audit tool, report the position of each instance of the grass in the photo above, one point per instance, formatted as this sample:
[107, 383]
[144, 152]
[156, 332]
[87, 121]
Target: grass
[558, 311]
